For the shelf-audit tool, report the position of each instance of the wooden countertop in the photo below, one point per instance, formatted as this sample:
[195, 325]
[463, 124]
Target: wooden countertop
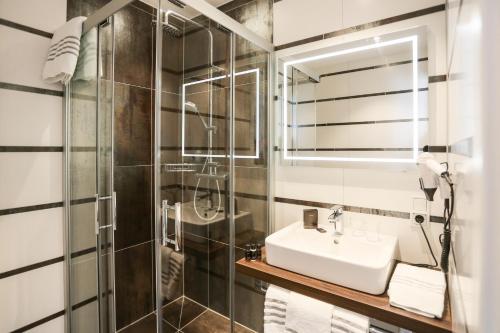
[374, 306]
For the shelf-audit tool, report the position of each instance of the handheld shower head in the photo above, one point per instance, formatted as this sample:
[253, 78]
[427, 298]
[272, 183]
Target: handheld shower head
[191, 107]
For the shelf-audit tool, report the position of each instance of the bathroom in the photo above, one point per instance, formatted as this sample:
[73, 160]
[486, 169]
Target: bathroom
[249, 166]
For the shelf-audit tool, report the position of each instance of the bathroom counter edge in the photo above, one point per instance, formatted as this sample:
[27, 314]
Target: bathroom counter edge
[374, 306]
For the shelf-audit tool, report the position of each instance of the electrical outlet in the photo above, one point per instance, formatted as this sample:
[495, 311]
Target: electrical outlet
[414, 217]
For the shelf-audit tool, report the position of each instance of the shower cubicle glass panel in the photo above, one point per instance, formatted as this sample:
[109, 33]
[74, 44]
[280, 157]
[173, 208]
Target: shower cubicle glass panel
[90, 175]
[213, 172]
[168, 155]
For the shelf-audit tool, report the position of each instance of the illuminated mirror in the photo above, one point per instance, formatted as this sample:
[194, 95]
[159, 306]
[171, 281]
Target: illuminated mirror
[363, 101]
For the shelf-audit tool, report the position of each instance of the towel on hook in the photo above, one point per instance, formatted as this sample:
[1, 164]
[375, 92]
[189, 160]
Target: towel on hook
[305, 315]
[275, 309]
[63, 52]
[417, 289]
[171, 272]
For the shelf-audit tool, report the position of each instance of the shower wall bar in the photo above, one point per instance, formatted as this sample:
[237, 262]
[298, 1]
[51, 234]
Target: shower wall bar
[199, 5]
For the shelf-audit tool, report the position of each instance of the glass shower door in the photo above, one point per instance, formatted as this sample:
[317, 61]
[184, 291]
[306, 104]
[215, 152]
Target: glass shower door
[212, 172]
[91, 199]
[193, 123]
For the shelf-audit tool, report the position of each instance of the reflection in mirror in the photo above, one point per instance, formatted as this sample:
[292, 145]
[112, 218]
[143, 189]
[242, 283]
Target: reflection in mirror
[364, 101]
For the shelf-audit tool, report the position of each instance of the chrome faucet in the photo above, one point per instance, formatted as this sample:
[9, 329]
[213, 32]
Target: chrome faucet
[337, 218]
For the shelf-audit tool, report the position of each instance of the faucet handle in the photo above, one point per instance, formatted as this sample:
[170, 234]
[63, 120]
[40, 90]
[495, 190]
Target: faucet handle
[336, 210]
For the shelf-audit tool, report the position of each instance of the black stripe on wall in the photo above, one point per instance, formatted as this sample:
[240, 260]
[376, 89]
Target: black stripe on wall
[437, 78]
[31, 267]
[350, 149]
[26, 209]
[371, 122]
[40, 322]
[435, 149]
[25, 28]
[83, 252]
[374, 24]
[385, 93]
[31, 149]
[83, 303]
[360, 69]
[353, 209]
[20, 87]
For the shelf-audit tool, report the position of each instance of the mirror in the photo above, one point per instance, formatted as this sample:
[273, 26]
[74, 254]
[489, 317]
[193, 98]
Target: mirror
[362, 101]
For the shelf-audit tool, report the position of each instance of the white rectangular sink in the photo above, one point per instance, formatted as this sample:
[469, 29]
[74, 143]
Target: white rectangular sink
[356, 262]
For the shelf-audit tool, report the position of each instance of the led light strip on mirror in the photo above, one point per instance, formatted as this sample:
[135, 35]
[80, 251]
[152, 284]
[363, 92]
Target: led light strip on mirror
[413, 39]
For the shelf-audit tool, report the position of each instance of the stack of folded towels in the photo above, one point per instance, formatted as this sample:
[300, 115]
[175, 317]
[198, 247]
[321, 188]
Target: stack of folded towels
[286, 311]
[419, 290]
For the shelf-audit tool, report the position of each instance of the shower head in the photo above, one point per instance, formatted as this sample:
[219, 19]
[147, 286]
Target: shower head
[191, 107]
[172, 30]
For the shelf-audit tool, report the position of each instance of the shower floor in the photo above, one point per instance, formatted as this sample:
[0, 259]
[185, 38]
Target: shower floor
[185, 316]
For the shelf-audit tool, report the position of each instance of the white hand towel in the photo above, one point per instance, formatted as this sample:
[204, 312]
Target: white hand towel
[86, 67]
[171, 273]
[275, 309]
[63, 52]
[417, 289]
[307, 315]
[344, 321]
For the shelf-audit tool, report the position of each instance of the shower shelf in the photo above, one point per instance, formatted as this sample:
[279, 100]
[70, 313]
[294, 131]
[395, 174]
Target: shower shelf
[180, 167]
[374, 306]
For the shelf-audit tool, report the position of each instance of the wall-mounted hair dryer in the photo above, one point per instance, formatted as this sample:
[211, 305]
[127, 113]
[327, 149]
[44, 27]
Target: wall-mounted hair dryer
[432, 175]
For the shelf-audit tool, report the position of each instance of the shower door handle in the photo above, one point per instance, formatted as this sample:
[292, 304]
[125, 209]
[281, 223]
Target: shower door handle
[177, 227]
[98, 199]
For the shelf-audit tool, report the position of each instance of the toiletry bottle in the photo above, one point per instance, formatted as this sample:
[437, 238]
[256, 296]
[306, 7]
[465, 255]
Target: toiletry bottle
[253, 250]
[248, 252]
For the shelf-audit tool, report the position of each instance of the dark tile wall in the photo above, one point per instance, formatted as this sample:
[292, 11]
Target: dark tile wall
[133, 125]
[134, 284]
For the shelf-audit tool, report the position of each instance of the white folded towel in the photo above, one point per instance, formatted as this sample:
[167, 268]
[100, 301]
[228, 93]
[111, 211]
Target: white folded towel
[86, 67]
[306, 315]
[417, 289]
[275, 309]
[171, 273]
[344, 321]
[63, 52]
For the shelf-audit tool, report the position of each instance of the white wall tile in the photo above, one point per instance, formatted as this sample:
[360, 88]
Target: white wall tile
[363, 11]
[85, 318]
[297, 19]
[30, 179]
[45, 15]
[438, 113]
[19, 233]
[306, 137]
[30, 296]
[23, 55]
[39, 115]
[333, 86]
[380, 188]
[83, 274]
[53, 326]
[333, 111]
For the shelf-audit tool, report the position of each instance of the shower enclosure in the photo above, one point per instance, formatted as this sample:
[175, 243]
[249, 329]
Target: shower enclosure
[167, 170]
